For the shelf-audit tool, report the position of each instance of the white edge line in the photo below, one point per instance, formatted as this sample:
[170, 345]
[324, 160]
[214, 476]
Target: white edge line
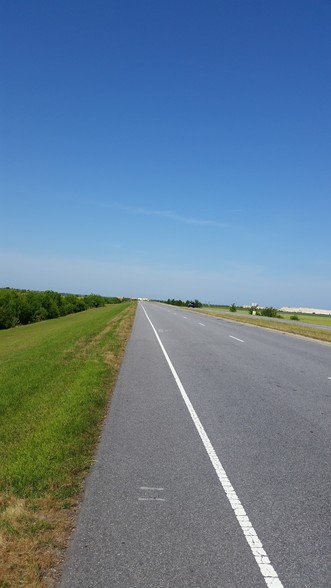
[236, 338]
[269, 574]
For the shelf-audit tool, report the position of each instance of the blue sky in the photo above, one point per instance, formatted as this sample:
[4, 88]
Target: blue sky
[167, 148]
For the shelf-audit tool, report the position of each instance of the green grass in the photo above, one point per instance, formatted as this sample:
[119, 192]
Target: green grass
[55, 382]
[55, 379]
[314, 319]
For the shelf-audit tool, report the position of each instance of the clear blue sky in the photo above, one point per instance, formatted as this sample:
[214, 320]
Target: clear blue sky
[167, 148]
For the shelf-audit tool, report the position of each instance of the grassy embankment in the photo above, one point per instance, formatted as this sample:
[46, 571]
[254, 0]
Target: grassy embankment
[294, 328]
[55, 382]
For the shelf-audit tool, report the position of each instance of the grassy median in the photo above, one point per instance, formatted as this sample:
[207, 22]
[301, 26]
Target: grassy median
[56, 377]
[293, 328]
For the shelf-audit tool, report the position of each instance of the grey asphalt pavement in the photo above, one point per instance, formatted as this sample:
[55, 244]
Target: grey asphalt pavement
[155, 512]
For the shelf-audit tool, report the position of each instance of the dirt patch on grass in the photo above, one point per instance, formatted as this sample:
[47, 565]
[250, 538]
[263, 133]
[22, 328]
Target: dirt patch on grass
[33, 536]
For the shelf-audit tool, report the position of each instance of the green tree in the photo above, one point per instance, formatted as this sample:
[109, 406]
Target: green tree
[94, 300]
[9, 309]
[51, 302]
[72, 303]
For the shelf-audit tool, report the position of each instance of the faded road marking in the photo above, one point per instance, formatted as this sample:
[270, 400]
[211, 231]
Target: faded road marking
[150, 492]
[151, 488]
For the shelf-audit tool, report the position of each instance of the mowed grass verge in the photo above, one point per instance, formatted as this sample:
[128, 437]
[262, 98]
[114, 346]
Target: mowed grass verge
[55, 383]
[294, 329]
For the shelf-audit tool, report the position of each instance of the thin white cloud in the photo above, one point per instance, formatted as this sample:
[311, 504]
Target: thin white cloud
[168, 214]
[165, 214]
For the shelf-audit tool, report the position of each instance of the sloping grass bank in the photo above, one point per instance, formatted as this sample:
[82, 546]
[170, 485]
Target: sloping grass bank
[295, 328]
[56, 378]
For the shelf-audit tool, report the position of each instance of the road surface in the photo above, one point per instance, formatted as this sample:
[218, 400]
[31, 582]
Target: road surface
[214, 465]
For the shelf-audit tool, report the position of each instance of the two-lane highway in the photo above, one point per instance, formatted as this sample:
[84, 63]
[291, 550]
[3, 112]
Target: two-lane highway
[214, 464]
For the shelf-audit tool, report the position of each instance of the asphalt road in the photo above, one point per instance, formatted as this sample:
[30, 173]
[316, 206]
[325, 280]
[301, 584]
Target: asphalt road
[214, 465]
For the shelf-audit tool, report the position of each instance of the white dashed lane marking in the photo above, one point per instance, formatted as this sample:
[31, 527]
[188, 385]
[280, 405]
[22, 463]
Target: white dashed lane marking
[236, 338]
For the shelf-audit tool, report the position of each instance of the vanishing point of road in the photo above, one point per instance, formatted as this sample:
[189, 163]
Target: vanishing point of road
[213, 470]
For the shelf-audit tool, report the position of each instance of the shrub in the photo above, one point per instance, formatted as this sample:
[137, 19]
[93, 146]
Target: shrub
[270, 311]
[233, 308]
[294, 317]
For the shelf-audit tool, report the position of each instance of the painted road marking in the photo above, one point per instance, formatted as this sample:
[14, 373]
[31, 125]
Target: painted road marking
[154, 499]
[153, 489]
[236, 338]
[202, 324]
[268, 572]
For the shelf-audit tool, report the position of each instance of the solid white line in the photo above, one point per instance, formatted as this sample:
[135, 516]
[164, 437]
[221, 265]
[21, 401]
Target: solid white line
[236, 338]
[268, 572]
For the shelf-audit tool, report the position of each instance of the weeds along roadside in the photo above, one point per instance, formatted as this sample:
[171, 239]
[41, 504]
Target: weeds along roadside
[56, 378]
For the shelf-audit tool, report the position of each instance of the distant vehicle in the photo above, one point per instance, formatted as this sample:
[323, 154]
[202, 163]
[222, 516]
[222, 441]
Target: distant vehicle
[191, 305]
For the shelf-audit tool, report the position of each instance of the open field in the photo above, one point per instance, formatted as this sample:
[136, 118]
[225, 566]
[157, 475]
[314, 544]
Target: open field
[294, 327]
[56, 377]
[313, 319]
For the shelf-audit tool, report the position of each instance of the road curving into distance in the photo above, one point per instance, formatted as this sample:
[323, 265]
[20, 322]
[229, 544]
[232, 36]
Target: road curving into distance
[213, 468]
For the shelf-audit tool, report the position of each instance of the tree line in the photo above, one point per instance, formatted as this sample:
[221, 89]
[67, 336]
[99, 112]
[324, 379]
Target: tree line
[195, 303]
[21, 307]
